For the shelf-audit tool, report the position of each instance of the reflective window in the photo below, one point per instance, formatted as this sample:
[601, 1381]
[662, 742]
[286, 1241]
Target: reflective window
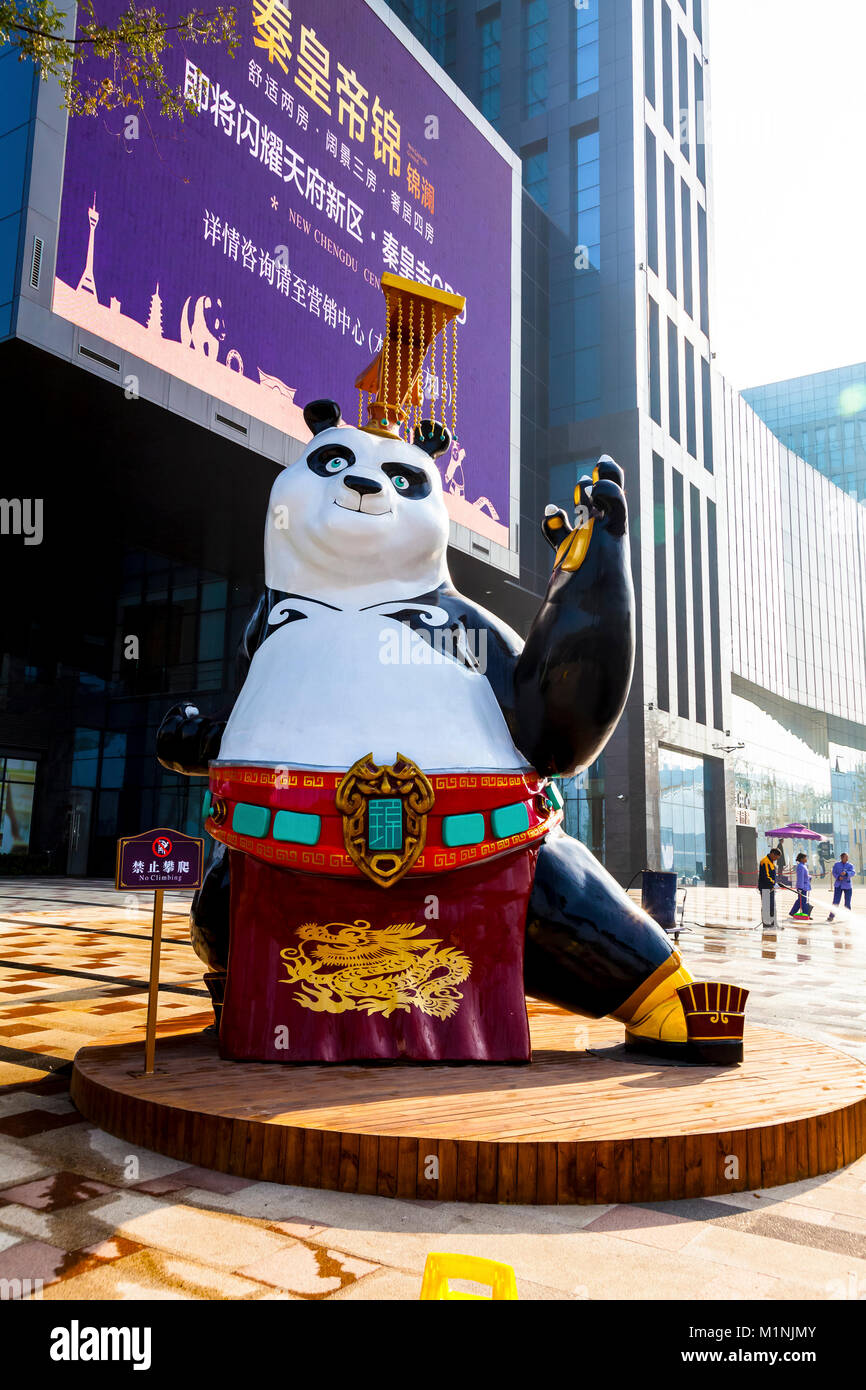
[652, 208]
[703, 269]
[698, 607]
[700, 123]
[686, 218]
[586, 45]
[673, 381]
[535, 173]
[584, 807]
[17, 785]
[534, 56]
[682, 816]
[678, 525]
[655, 373]
[691, 413]
[715, 621]
[490, 52]
[670, 229]
[434, 23]
[661, 583]
[707, 401]
[586, 195]
[684, 113]
[649, 51]
[667, 69]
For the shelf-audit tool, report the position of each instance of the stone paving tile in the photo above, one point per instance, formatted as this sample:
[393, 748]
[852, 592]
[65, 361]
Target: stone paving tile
[33, 1259]
[308, 1271]
[660, 1229]
[54, 1192]
[154, 1274]
[95, 1154]
[202, 1179]
[807, 1266]
[166, 1230]
[213, 1239]
[80, 1226]
[18, 1163]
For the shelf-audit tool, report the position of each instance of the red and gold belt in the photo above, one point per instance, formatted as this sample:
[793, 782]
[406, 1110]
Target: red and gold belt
[383, 821]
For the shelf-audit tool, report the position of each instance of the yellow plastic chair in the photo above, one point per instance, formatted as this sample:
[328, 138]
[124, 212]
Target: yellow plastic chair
[439, 1268]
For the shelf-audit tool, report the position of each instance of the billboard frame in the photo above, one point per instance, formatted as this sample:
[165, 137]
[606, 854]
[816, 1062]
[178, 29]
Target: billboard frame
[36, 323]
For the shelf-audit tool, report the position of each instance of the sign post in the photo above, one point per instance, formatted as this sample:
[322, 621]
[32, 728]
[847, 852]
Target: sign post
[157, 859]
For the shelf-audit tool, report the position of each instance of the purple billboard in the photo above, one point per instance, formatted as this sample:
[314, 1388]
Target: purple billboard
[241, 250]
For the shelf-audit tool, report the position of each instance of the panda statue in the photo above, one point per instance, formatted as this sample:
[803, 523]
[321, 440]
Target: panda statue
[391, 875]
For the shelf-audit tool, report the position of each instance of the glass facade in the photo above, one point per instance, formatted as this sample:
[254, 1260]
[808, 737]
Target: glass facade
[667, 68]
[584, 807]
[823, 419]
[535, 173]
[490, 57]
[434, 23]
[652, 203]
[682, 815]
[586, 185]
[586, 47]
[649, 51]
[797, 573]
[686, 222]
[673, 381]
[534, 57]
[685, 110]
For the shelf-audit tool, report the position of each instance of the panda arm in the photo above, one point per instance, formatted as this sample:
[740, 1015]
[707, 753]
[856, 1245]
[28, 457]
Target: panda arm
[573, 676]
[187, 741]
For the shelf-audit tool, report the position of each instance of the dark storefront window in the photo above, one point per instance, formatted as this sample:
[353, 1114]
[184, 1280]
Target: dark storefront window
[17, 785]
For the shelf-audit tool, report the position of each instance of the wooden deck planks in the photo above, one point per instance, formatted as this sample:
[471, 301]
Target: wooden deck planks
[572, 1127]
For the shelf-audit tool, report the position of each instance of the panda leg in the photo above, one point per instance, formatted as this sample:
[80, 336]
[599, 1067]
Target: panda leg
[591, 950]
[209, 926]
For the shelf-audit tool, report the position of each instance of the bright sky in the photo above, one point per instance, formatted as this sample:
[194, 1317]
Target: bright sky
[787, 142]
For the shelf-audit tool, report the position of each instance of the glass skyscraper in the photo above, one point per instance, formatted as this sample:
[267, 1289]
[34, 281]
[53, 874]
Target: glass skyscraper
[822, 418]
[749, 629]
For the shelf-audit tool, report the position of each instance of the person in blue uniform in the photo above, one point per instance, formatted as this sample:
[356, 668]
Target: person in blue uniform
[801, 906]
[843, 882]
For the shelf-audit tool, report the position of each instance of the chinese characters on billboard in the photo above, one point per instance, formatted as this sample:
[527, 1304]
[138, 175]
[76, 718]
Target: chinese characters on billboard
[241, 250]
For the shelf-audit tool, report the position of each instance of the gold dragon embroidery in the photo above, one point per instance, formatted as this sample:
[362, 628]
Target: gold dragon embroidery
[374, 969]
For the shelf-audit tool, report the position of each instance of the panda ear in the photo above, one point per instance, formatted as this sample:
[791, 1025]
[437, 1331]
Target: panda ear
[321, 415]
[432, 437]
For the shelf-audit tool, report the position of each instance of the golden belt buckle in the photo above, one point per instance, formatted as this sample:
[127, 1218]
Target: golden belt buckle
[384, 812]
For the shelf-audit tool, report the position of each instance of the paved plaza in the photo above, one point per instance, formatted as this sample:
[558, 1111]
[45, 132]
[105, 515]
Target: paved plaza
[91, 1216]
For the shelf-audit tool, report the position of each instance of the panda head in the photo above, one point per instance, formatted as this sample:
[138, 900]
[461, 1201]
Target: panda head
[358, 510]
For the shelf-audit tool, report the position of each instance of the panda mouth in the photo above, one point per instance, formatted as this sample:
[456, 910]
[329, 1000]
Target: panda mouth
[371, 503]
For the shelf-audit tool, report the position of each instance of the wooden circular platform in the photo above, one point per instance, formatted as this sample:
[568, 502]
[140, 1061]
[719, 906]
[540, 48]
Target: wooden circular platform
[587, 1125]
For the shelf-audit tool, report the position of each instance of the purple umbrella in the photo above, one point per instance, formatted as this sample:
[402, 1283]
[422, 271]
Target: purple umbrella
[793, 832]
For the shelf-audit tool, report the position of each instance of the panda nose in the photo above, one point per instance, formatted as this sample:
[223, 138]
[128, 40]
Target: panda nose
[362, 486]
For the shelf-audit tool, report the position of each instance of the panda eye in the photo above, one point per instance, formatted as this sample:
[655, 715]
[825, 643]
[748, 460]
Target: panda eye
[411, 482]
[329, 459]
